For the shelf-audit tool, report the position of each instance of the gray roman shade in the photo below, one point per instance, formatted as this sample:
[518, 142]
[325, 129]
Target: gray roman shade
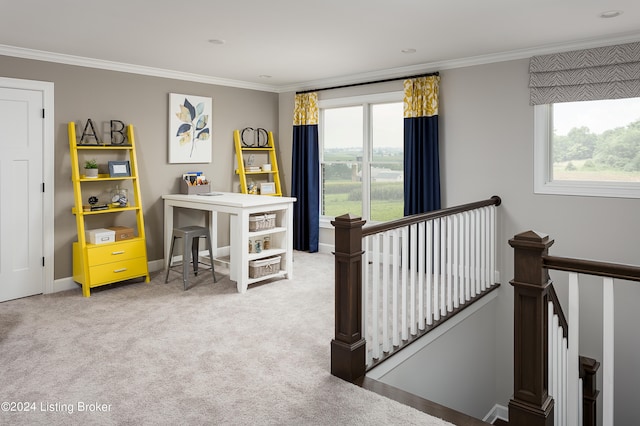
[610, 72]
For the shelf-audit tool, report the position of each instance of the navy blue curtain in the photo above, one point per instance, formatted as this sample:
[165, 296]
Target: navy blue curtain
[421, 156]
[305, 179]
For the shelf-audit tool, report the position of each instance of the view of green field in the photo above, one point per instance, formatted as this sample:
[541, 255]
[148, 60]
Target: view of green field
[597, 147]
[343, 196]
[583, 170]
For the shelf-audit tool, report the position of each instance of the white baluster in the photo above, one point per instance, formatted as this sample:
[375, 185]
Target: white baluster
[436, 269]
[607, 351]
[450, 283]
[574, 402]
[414, 265]
[562, 392]
[553, 355]
[493, 245]
[375, 293]
[429, 272]
[467, 256]
[366, 314]
[484, 248]
[478, 249]
[443, 266]
[580, 398]
[458, 259]
[406, 259]
[396, 268]
[421, 255]
[386, 244]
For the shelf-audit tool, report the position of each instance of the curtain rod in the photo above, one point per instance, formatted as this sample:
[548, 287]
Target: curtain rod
[368, 82]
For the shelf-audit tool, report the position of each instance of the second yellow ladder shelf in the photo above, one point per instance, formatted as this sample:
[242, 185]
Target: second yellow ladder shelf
[269, 176]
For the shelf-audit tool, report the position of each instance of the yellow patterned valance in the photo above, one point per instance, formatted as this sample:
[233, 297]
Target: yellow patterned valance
[421, 96]
[306, 109]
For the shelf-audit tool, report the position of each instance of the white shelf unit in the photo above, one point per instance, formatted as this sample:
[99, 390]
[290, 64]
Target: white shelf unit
[278, 246]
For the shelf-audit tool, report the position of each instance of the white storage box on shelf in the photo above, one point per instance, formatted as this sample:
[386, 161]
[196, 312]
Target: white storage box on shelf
[262, 267]
[100, 235]
[260, 222]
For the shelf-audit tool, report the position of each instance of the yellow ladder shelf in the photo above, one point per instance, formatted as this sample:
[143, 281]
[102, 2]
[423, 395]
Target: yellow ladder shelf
[95, 265]
[271, 176]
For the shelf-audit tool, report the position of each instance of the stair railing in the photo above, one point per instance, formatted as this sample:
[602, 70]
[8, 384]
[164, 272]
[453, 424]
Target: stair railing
[413, 274]
[535, 305]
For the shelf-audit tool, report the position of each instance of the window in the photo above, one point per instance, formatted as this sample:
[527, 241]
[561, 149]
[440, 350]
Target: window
[361, 156]
[588, 148]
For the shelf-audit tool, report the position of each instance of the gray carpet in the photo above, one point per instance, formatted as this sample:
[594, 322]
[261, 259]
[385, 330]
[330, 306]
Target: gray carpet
[154, 354]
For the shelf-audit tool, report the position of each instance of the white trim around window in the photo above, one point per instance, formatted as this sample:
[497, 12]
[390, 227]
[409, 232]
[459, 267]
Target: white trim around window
[543, 163]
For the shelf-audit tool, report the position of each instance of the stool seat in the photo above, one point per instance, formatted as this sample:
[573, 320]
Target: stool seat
[190, 236]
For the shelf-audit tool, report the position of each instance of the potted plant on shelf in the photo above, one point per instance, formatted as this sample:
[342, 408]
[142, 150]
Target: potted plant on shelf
[91, 168]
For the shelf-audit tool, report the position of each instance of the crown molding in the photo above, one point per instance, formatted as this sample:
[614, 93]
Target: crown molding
[400, 72]
[40, 55]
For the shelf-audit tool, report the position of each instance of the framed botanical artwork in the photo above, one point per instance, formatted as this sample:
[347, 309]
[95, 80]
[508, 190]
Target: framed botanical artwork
[119, 169]
[189, 129]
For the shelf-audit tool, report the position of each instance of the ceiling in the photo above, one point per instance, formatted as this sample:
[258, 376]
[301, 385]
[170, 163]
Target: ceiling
[284, 45]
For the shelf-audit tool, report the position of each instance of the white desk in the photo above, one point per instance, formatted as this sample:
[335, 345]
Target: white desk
[239, 207]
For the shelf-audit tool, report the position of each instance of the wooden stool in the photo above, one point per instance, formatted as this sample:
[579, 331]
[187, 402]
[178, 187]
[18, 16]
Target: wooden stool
[190, 236]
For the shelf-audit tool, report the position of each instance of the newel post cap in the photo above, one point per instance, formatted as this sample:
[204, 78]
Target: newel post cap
[529, 248]
[348, 233]
[348, 220]
[531, 239]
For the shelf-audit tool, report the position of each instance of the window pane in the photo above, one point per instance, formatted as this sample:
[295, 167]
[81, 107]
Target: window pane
[342, 161]
[341, 189]
[596, 141]
[386, 171]
[342, 134]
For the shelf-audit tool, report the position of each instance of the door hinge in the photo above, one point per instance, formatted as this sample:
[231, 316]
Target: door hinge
[43, 261]
[42, 186]
[42, 112]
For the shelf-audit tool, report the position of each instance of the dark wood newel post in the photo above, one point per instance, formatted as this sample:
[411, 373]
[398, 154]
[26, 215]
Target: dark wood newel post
[531, 404]
[348, 346]
[588, 369]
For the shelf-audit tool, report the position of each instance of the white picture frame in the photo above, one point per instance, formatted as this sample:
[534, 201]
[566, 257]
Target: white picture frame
[189, 128]
[267, 188]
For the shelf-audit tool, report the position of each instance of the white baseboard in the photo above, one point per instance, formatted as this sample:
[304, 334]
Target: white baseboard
[497, 412]
[64, 284]
[326, 248]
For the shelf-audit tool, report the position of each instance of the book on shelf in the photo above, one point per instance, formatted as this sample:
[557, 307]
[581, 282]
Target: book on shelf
[95, 207]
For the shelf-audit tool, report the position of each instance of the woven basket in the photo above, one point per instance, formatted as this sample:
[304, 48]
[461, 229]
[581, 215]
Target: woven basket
[263, 267]
[260, 222]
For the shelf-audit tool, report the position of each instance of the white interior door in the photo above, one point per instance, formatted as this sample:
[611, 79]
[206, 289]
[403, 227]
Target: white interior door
[21, 193]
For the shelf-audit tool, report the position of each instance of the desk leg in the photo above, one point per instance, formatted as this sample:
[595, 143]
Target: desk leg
[212, 224]
[239, 267]
[288, 221]
[168, 232]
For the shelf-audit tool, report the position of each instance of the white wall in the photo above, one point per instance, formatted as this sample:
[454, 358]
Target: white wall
[487, 148]
[457, 368]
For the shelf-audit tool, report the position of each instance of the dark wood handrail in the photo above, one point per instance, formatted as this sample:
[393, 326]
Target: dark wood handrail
[557, 309]
[417, 218]
[591, 267]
